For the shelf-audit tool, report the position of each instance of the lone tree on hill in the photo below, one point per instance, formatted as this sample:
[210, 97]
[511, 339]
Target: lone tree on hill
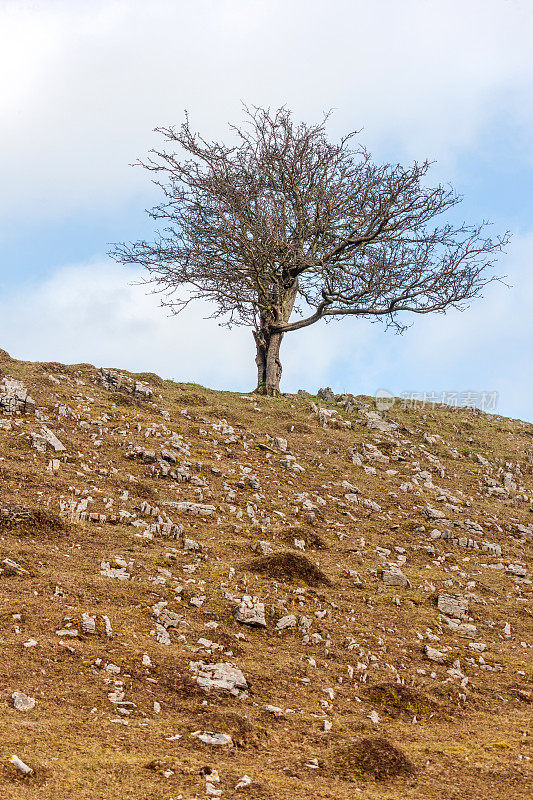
[284, 228]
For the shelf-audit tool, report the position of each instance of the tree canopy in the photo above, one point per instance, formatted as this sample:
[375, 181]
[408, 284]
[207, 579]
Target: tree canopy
[282, 228]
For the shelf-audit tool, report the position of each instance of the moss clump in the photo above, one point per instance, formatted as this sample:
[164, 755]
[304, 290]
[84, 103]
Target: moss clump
[31, 521]
[400, 700]
[289, 567]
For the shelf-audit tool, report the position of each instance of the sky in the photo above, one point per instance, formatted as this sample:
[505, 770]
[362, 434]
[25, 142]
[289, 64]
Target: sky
[83, 85]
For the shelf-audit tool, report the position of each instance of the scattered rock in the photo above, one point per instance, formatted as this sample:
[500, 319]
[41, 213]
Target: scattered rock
[393, 577]
[327, 395]
[20, 765]
[14, 398]
[250, 611]
[118, 382]
[434, 655]
[288, 621]
[214, 739]
[452, 606]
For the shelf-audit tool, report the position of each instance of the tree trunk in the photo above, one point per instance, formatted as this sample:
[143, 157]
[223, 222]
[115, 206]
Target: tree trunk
[268, 343]
[273, 365]
[268, 363]
[260, 360]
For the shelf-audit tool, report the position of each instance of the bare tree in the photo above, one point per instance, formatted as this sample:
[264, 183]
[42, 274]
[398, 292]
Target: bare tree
[284, 228]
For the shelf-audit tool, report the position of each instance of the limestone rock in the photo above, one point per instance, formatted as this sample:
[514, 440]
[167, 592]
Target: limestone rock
[20, 765]
[327, 395]
[452, 606]
[22, 702]
[116, 381]
[250, 611]
[434, 655]
[52, 439]
[14, 398]
[393, 577]
[433, 513]
[214, 739]
[288, 621]
[516, 569]
[199, 509]
[222, 676]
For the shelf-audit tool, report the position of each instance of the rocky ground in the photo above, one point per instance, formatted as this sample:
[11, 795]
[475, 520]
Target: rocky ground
[207, 594]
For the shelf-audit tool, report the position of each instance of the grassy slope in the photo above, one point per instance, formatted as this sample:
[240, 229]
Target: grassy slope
[475, 746]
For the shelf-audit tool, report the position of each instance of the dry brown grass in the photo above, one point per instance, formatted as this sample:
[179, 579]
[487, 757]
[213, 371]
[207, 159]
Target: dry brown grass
[463, 749]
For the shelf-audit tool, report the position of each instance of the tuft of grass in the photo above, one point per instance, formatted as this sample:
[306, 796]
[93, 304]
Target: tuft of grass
[373, 757]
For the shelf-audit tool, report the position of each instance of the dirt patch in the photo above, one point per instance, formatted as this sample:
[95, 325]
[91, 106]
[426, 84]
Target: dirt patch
[299, 427]
[122, 399]
[289, 567]
[257, 791]
[376, 758]
[398, 700]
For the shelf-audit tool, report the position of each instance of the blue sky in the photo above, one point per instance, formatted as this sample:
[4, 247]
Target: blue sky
[83, 85]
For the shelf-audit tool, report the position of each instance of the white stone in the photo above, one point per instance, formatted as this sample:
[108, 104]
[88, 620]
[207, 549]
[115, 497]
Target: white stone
[199, 509]
[88, 623]
[222, 676]
[434, 655]
[394, 577]
[52, 439]
[22, 702]
[20, 765]
[215, 739]
[288, 621]
[161, 634]
[250, 611]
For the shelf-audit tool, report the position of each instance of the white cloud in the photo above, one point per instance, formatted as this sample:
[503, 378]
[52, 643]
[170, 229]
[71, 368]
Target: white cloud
[83, 84]
[92, 313]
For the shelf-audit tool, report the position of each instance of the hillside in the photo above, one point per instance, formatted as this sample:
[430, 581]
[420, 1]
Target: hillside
[303, 599]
